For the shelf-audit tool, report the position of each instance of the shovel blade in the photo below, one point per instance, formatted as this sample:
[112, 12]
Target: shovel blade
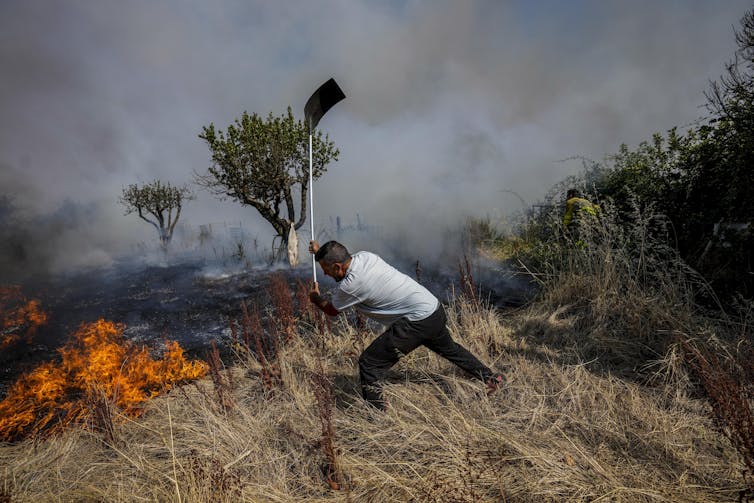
[321, 101]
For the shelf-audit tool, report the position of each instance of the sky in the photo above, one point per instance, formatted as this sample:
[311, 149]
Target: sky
[453, 108]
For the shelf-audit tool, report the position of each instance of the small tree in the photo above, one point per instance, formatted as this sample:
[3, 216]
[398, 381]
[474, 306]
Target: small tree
[264, 163]
[157, 203]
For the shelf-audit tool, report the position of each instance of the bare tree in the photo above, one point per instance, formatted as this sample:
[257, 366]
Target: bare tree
[732, 95]
[157, 203]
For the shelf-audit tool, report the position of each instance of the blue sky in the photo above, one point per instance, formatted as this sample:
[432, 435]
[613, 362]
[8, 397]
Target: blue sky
[450, 103]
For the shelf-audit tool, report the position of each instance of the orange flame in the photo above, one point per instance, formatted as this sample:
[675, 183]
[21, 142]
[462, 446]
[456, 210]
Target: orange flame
[19, 317]
[98, 361]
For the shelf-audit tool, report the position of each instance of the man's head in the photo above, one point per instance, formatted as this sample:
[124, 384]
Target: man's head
[573, 193]
[334, 259]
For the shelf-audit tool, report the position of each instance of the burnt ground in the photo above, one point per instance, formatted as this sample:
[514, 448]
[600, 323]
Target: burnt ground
[190, 302]
[186, 302]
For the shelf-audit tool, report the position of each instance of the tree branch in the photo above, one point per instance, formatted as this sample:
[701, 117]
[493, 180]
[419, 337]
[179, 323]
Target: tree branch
[141, 215]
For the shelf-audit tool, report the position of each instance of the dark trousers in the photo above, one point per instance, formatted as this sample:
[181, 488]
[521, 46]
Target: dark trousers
[404, 336]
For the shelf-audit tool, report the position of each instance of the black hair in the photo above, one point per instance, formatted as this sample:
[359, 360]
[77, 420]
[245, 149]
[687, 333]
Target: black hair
[332, 252]
[573, 193]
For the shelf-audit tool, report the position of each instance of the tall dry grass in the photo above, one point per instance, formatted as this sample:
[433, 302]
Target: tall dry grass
[618, 297]
[615, 295]
[581, 418]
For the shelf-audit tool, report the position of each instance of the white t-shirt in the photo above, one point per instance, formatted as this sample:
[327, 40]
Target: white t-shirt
[381, 292]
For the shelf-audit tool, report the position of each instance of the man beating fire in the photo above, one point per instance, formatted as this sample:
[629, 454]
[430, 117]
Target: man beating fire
[413, 316]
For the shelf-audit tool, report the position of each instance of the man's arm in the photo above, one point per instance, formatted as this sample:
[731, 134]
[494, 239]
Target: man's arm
[322, 303]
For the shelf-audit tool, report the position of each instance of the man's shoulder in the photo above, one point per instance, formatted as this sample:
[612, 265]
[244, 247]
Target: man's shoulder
[363, 253]
[362, 261]
[364, 258]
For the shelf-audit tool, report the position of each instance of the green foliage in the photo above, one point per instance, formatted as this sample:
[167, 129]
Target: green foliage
[645, 174]
[264, 163]
[700, 181]
[157, 203]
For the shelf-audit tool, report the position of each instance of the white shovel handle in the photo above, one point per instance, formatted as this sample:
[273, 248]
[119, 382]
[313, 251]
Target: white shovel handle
[311, 205]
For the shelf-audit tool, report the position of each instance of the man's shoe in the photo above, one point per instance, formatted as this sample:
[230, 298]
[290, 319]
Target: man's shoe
[493, 383]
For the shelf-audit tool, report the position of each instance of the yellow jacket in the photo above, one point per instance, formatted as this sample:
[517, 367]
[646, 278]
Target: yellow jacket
[574, 208]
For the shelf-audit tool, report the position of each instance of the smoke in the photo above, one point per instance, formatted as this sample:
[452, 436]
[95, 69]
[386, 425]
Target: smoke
[75, 236]
[452, 107]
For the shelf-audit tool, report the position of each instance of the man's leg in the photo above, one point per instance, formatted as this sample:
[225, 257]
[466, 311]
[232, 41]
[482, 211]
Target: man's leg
[384, 352]
[438, 339]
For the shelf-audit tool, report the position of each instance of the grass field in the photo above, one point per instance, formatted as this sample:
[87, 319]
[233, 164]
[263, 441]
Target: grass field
[600, 405]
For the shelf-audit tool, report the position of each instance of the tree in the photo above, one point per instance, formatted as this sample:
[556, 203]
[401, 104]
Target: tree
[732, 96]
[264, 163]
[724, 155]
[157, 203]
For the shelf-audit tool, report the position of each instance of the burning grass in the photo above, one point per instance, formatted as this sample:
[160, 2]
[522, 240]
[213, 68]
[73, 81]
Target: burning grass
[97, 364]
[20, 317]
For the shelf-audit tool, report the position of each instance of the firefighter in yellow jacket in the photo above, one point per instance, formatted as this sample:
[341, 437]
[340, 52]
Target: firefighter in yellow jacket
[576, 209]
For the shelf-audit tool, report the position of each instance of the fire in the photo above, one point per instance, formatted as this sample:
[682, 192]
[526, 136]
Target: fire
[19, 317]
[97, 362]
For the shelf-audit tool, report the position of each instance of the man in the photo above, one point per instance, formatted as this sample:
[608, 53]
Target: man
[413, 316]
[576, 207]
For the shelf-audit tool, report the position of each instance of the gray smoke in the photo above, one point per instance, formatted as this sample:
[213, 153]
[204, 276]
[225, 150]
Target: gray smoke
[451, 105]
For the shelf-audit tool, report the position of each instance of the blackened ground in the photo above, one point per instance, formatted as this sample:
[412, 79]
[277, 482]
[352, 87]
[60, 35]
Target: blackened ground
[190, 302]
[183, 302]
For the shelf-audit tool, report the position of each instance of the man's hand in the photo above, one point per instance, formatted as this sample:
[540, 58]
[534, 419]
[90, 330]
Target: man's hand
[313, 247]
[321, 303]
[314, 295]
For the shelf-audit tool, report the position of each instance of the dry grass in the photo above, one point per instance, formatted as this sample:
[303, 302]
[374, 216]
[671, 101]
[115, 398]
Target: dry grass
[599, 406]
[615, 296]
[555, 433]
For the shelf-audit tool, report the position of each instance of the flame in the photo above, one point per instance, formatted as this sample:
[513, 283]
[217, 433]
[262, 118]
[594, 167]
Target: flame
[19, 317]
[98, 361]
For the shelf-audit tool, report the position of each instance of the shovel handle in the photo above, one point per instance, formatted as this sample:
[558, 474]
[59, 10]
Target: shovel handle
[311, 204]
